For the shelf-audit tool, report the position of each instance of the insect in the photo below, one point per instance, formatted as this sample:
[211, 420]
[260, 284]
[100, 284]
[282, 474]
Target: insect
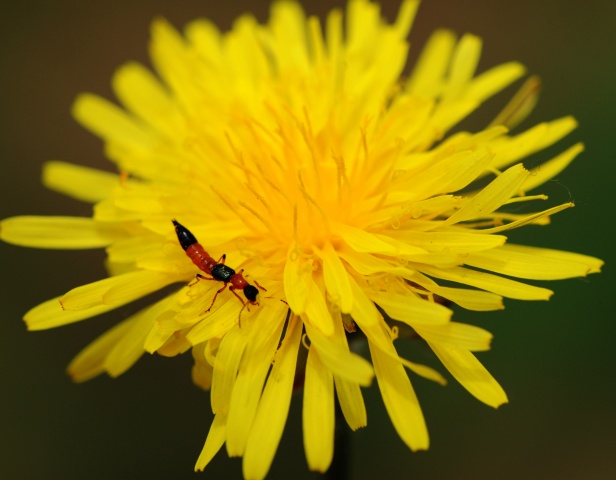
[217, 269]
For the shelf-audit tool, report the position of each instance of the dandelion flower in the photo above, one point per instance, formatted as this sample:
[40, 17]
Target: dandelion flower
[300, 151]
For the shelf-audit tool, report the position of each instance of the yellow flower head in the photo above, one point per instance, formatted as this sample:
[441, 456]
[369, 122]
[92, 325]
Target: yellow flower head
[300, 152]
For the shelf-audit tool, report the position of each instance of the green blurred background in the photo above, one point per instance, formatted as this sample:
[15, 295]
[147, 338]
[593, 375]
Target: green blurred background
[555, 359]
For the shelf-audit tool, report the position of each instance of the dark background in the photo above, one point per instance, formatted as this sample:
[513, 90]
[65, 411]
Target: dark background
[555, 359]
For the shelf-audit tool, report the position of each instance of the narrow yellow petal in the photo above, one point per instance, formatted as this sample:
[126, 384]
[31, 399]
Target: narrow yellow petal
[141, 92]
[159, 333]
[400, 399]
[251, 376]
[457, 335]
[476, 300]
[83, 183]
[115, 291]
[174, 61]
[494, 80]
[501, 189]
[131, 346]
[362, 241]
[127, 290]
[539, 218]
[592, 263]
[110, 122]
[317, 312]
[548, 170]
[364, 311]
[492, 283]
[410, 309]
[59, 232]
[367, 264]
[471, 374]
[351, 403]
[449, 173]
[50, 314]
[202, 371]
[349, 393]
[463, 65]
[336, 279]
[216, 323]
[175, 345]
[318, 414]
[215, 439]
[534, 139]
[227, 363]
[507, 260]
[273, 408]
[406, 16]
[427, 76]
[381, 339]
[520, 105]
[450, 242]
[90, 362]
[297, 271]
[338, 359]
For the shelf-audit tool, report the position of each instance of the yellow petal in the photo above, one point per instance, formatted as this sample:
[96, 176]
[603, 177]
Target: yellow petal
[406, 16]
[273, 408]
[317, 312]
[83, 183]
[448, 173]
[364, 311]
[539, 218]
[400, 400]
[592, 263]
[215, 439]
[427, 76]
[501, 189]
[520, 105]
[381, 339]
[58, 232]
[338, 359]
[202, 371]
[115, 291]
[471, 374]
[410, 309]
[90, 361]
[251, 376]
[477, 300]
[457, 335]
[141, 92]
[349, 394]
[110, 122]
[494, 80]
[318, 414]
[548, 170]
[159, 334]
[462, 67]
[336, 279]
[351, 403]
[130, 347]
[50, 314]
[225, 369]
[450, 242]
[297, 271]
[216, 323]
[491, 283]
[527, 263]
[362, 241]
[532, 140]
